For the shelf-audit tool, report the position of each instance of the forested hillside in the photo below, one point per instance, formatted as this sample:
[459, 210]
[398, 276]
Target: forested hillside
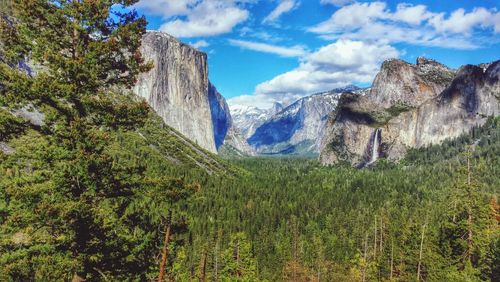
[90, 177]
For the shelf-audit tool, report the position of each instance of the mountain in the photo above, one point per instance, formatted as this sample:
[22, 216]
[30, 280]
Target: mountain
[178, 89]
[248, 118]
[411, 106]
[297, 128]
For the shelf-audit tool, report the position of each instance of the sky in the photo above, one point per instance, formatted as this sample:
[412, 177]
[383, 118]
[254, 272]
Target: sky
[265, 51]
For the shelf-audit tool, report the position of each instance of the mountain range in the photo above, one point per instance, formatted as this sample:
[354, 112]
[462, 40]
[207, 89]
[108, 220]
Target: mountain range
[408, 106]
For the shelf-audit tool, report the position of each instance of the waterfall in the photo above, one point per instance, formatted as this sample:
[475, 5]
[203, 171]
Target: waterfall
[375, 146]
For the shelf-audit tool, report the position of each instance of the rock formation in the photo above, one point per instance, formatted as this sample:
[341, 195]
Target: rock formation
[177, 87]
[410, 106]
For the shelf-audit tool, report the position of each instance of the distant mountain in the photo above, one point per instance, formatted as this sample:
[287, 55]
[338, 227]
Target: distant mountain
[298, 128]
[248, 118]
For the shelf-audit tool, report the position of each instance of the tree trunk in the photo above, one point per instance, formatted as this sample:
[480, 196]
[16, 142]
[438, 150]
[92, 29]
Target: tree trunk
[365, 257]
[420, 254]
[203, 266]
[164, 253]
[392, 258]
[375, 239]
[469, 212]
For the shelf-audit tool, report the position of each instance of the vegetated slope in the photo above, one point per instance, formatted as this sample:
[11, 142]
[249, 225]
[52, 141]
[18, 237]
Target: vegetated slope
[338, 223]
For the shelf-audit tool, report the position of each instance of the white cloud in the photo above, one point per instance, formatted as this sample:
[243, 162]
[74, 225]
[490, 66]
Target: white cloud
[462, 22]
[283, 7]
[411, 14]
[209, 18]
[352, 17]
[200, 44]
[335, 65]
[293, 51]
[413, 24]
[165, 8]
[196, 18]
[338, 3]
[259, 101]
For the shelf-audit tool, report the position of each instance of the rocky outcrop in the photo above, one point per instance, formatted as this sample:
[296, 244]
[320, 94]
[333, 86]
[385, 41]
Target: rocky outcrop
[298, 128]
[177, 87]
[410, 106]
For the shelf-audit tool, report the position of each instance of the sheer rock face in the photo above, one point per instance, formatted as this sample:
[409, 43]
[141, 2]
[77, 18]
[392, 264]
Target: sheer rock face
[414, 106]
[224, 131]
[177, 87]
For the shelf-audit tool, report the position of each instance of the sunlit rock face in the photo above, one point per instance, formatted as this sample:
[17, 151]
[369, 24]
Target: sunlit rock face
[177, 87]
[411, 106]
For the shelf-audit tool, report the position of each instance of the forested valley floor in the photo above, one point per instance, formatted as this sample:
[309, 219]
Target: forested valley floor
[432, 217]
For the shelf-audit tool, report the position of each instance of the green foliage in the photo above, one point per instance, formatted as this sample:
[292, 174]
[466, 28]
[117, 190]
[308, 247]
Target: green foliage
[305, 220]
[9, 125]
[238, 262]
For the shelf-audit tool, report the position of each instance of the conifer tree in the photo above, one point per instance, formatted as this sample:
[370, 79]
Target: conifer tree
[64, 205]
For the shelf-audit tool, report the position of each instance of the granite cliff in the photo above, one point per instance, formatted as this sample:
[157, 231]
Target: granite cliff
[410, 106]
[178, 89]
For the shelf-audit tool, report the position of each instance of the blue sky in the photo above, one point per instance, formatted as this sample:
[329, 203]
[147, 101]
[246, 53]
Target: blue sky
[261, 51]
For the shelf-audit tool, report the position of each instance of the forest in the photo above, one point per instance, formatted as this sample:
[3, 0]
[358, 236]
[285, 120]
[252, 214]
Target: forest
[102, 190]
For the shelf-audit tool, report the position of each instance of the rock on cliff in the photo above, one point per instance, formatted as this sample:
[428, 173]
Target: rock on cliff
[410, 106]
[177, 87]
[298, 128]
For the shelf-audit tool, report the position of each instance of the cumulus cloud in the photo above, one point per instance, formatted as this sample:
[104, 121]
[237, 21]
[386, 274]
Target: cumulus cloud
[209, 18]
[283, 7]
[413, 24]
[293, 51]
[259, 101]
[196, 18]
[335, 65]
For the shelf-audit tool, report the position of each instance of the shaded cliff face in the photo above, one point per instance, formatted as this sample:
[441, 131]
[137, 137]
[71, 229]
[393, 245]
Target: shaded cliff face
[403, 114]
[225, 134]
[221, 118]
[177, 87]
[297, 128]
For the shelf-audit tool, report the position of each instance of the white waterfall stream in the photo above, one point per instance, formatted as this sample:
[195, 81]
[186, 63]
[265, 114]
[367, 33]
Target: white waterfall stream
[375, 145]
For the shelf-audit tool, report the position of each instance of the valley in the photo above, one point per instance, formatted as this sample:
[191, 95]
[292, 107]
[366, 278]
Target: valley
[122, 160]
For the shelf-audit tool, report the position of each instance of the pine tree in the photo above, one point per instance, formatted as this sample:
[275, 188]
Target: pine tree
[238, 262]
[64, 205]
[463, 236]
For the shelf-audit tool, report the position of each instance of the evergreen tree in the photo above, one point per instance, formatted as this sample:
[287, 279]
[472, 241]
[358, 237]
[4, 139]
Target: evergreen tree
[238, 262]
